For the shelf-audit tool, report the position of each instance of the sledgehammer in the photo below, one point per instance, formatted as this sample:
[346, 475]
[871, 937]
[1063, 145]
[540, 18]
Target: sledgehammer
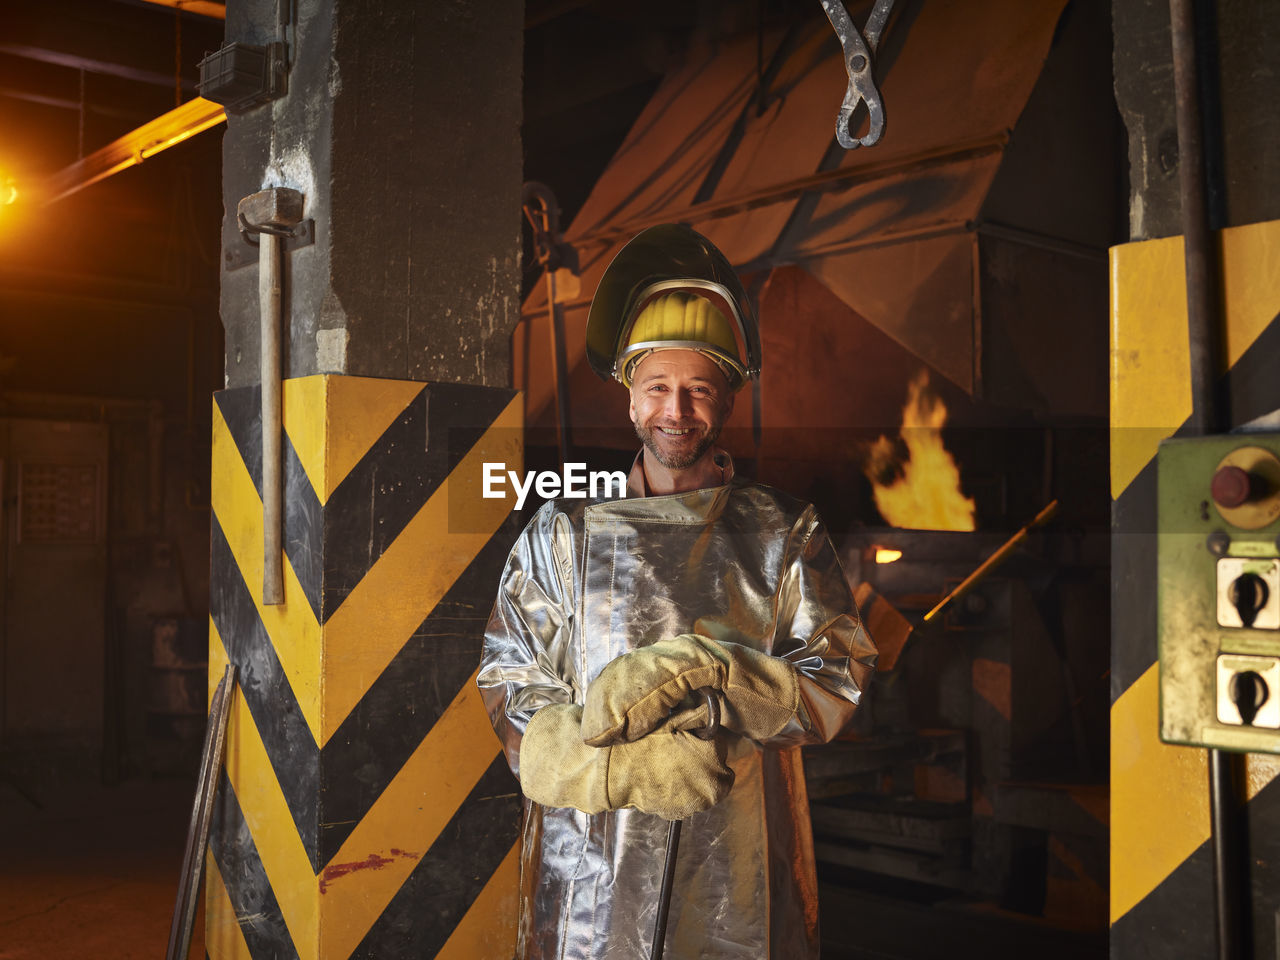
[272, 214]
[673, 835]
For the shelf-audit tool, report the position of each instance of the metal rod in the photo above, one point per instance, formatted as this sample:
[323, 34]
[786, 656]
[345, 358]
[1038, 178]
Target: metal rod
[664, 893]
[1231, 885]
[543, 213]
[559, 367]
[1230, 878]
[270, 298]
[215, 741]
[993, 561]
[1203, 330]
[173, 950]
[707, 732]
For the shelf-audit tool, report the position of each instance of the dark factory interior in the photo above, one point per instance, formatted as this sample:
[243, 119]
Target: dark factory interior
[973, 340]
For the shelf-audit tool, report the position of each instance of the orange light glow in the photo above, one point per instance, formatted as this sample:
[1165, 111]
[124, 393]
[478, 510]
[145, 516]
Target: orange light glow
[886, 555]
[922, 491]
[8, 191]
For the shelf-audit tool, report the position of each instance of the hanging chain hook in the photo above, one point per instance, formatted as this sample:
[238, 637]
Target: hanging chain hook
[859, 50]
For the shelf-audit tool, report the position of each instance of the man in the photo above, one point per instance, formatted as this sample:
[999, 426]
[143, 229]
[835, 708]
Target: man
[613, 614]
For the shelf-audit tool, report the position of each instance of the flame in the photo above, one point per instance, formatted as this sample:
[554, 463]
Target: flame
[924, 492]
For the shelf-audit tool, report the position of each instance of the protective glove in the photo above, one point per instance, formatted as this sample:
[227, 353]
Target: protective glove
[637, 691]
[671, 773]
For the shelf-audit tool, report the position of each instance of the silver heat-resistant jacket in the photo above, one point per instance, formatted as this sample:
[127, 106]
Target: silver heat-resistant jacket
[588, 581]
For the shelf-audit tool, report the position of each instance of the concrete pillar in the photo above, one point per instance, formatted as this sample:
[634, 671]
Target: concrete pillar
[365, 810]
[401, 128]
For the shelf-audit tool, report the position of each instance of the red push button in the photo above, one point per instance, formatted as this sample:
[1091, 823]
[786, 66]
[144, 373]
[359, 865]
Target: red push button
[1231, 487]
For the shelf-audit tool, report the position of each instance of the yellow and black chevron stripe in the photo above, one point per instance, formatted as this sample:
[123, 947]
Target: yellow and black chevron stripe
[365, 810]
[1161, 868]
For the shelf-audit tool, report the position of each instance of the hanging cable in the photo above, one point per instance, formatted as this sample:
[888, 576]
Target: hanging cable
[177, 55]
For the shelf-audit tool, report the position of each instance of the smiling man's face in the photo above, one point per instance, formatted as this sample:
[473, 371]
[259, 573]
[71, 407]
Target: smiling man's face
[679, 402]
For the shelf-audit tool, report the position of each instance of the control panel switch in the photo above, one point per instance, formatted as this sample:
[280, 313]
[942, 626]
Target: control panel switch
[1249, 593]
[1249, 691]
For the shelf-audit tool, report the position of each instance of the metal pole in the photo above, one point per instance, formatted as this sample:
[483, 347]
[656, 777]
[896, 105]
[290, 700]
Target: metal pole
[1203, 330]
[543, 213]
[559, 368]
[1230, 876]
[1232, 888]
[993, 561]
[664, 893]
[211, 757]
[707, 732]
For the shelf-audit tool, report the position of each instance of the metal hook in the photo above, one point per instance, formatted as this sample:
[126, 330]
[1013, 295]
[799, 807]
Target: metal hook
[248, 229]
[858, 59]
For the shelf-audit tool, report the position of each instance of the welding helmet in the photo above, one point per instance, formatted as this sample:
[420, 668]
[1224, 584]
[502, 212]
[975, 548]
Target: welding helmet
[669, 288]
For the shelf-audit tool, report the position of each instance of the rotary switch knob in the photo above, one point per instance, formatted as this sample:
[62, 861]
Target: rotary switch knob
[1248, 691]
[1248, 594]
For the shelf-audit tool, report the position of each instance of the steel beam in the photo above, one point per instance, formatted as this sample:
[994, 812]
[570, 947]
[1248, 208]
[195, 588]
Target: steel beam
[137, 145]
[201, 8]
[89, 65]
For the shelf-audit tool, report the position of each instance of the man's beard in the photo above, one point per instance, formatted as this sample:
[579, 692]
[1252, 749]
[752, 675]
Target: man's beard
[679, 459]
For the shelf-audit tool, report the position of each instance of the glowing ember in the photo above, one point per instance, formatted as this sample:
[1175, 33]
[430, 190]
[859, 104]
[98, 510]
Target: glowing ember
[886, 555]
[922, 490]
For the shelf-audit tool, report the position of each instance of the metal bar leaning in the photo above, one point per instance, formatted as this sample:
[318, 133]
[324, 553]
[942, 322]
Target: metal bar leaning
[215, 741]
[673, 836]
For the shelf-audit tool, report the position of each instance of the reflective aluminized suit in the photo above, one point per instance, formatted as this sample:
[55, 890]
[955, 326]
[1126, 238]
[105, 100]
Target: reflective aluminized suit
[588, 581]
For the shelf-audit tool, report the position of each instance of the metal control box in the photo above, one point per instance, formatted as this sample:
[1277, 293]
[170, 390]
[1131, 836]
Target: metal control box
[1218, 616]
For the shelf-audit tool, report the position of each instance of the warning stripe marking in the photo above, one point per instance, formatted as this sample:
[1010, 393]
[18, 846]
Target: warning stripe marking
[253, 901]
[453, 873]
[282, 790]
[1150, 388]
[1150, 840]
[388, 486]
[1159, 793]
[292, 626]
[417, 570]
[223, 938]
[358, 411]
[453, 757]
[300, 401]
[482, 934]
[304, 518]
[267, 817]
[456, 753]
[266, 691]
[1254, 390]
[389, 725]
[371, 491]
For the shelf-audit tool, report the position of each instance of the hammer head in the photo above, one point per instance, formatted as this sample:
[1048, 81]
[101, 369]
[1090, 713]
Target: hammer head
[273, 207]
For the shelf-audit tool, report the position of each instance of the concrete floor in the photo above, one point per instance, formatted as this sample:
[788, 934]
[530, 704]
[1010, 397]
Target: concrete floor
[91, 871]
[88, 871]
